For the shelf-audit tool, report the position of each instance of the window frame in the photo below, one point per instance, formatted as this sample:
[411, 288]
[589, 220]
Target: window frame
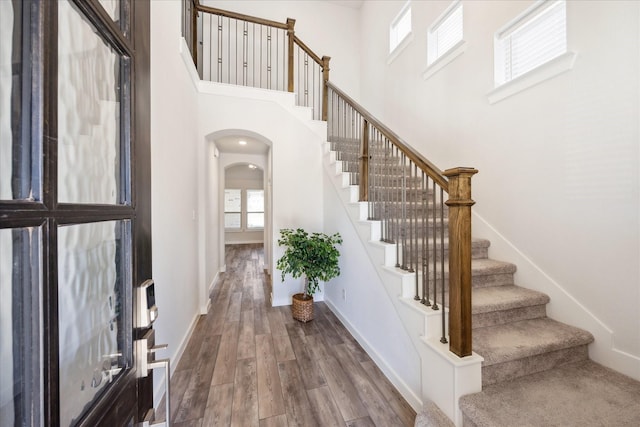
[247, 211]
[435, 64]
[244, 211]
[396, 43]
[543, 71]
[225, 211]
[432, 42]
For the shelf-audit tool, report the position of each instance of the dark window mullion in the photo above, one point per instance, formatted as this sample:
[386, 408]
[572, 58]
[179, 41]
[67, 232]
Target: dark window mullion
[47, 106]
[49, 103]
[108, 29]
[126, 160]
[50, 353]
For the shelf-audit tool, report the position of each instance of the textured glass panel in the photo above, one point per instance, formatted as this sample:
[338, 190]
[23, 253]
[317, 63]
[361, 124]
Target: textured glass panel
[89, 94]
[93, 279]
[20, 325]
[15, 157]
[112, 7]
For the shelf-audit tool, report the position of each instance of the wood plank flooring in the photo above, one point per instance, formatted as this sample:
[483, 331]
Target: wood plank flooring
[249, 364]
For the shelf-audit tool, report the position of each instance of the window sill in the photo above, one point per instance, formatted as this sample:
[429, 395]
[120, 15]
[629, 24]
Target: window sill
[457, 50]
[398, 49]
[544, 72]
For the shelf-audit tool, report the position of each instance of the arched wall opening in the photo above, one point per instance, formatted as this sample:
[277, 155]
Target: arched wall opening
[224, 153]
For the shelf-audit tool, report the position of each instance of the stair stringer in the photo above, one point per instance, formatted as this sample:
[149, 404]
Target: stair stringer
[444, 376]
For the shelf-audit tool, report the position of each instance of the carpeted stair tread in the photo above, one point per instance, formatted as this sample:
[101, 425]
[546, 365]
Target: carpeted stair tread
[581, 394]
[479, 248]
[487, 266]
[526, 338]
[496, 298]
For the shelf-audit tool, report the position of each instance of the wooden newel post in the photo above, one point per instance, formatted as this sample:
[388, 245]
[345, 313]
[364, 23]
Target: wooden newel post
[325, 89]
[290, 61]
[460, 203]
[364, 163]
[194, 32]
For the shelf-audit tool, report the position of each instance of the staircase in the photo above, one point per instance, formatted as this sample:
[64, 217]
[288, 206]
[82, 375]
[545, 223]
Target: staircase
[528, 357]
[526, 369]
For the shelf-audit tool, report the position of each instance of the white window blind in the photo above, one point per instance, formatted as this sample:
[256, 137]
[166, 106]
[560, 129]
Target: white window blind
[445, 33]
[232, 208]
[255, 208]
[400, 27]
[534, 38]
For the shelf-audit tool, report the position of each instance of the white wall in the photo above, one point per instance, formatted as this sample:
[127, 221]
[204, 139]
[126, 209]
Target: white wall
[328, 28]
[558, 186]
[360, 299]
[296, 157]
[174, 183]
[212, 263]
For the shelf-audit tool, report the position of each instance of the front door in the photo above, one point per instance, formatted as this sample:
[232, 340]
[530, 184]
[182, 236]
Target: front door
[74, 210]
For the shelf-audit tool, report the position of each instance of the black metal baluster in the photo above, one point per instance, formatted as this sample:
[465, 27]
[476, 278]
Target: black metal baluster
[425, 241]
[443, 339]
[435, 251]
[220, 37]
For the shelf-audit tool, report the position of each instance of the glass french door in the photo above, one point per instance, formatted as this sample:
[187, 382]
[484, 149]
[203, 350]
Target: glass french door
[74, 210]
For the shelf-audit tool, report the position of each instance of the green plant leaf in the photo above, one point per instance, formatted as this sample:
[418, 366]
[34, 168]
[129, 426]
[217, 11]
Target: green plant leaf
[314, 256]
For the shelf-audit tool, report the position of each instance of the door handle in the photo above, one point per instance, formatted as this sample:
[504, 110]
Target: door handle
[144, 366]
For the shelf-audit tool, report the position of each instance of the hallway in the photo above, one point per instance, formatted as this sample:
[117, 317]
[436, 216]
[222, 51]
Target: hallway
[249, 364]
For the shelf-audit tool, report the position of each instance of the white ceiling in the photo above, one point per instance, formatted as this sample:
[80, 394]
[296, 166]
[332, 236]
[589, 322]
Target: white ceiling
[353, 4]
[243, 172]
[230, 144]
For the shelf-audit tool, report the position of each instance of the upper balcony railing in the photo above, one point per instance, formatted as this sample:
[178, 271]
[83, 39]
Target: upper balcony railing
[404, 191]
[233, 48]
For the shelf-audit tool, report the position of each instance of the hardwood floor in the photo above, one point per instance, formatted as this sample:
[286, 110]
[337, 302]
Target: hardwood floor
[249, 364]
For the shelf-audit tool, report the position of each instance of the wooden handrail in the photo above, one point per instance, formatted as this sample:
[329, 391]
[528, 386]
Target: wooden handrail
[239, 16]
[292, 40]
[308, 50]
[424, 164]
[457, 183]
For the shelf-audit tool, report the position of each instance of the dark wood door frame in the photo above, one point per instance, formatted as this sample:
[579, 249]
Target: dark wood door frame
[129, 398]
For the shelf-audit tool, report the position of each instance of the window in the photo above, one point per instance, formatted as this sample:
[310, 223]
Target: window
[255, 209]
[232, 208]
[400, 27]
[445, 33]
[531, 40]
[243, 209]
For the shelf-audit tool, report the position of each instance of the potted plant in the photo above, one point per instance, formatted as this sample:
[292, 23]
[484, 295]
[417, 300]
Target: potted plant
[313, 256]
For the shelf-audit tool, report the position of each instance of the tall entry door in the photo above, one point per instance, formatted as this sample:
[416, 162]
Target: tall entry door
[75, 216]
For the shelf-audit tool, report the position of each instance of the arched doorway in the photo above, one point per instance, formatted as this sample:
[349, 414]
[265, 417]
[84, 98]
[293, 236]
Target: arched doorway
[234, 151]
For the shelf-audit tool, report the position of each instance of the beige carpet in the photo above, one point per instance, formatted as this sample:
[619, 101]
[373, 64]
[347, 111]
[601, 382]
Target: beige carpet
[580, 394]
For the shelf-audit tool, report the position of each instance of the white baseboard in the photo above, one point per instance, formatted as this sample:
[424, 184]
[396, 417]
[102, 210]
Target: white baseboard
[212, 286]
[159, 388]
[564, 307]
[392, 376]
